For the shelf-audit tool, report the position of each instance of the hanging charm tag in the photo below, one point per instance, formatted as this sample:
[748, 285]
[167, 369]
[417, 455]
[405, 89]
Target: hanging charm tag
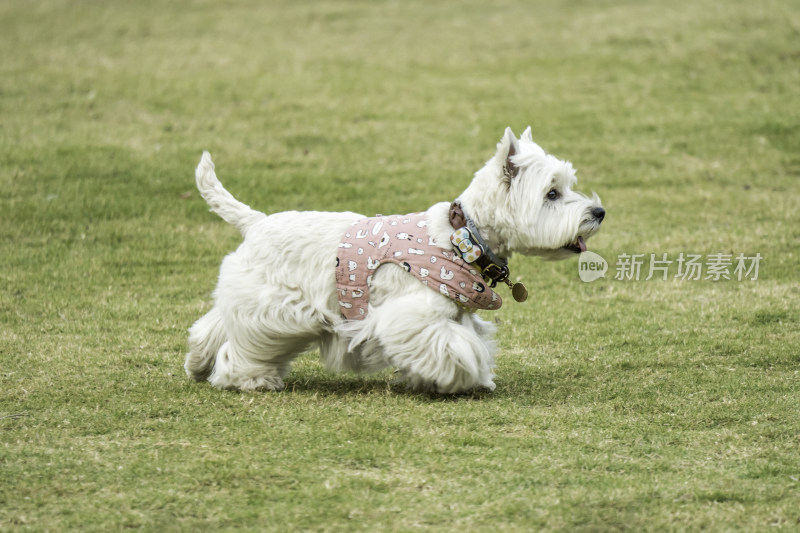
[519, 292]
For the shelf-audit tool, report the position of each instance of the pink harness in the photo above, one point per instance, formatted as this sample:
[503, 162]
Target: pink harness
[404, 240]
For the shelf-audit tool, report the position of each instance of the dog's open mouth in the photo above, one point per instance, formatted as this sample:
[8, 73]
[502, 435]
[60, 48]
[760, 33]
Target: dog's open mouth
[579, 246]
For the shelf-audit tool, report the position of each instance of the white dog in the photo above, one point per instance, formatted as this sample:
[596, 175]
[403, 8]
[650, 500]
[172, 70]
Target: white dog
[283, 290]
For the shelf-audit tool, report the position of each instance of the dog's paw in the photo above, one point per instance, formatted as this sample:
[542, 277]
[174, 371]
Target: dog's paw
[488, 386]
[262, 384]
[414, 383]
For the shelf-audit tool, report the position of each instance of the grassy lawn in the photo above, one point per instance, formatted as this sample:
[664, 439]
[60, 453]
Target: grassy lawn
[620, 404]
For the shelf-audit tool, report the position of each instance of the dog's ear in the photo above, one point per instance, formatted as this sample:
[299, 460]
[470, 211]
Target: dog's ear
[526, 135]
[506, 149]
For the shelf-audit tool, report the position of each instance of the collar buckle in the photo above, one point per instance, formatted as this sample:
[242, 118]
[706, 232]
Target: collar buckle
[494, 274]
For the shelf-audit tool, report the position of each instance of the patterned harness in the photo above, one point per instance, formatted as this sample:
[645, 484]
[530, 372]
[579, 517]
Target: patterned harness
[404, 240]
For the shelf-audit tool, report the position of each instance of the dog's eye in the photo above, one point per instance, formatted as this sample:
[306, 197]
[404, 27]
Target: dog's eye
[553, 195]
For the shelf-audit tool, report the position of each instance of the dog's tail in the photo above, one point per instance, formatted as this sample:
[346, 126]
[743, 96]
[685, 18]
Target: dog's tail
[221, 201]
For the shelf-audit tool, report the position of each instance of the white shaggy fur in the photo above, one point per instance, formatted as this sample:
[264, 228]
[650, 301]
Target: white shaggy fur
[276, 295]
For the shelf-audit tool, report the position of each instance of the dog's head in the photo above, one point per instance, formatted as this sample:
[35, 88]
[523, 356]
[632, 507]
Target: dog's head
[523, 200]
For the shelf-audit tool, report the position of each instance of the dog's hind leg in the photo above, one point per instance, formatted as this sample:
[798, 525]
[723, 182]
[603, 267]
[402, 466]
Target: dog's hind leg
[235, 372]
[206, 337]
[245, 366]
[236, 369]
[235, 363]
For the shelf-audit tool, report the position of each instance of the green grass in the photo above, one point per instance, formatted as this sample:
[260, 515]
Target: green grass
[649, 405]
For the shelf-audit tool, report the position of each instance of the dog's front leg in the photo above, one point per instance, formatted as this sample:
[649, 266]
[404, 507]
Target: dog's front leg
[434, 343]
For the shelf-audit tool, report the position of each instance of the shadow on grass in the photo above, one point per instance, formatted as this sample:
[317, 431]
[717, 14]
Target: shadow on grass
[385, 384]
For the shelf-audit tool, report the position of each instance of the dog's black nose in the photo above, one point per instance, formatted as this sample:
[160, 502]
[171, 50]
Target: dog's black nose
[599, 213]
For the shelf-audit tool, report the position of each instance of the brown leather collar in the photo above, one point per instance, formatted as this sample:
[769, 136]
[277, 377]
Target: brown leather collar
[457, 218]
[493, 268]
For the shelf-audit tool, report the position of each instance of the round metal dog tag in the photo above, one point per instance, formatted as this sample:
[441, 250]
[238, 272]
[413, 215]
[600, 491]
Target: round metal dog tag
[519, 292]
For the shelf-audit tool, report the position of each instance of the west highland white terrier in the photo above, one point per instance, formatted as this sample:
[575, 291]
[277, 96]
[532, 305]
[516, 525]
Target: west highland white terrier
[396, 291]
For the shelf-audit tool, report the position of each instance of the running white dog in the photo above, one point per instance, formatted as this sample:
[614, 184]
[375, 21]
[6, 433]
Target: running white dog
[299, 279]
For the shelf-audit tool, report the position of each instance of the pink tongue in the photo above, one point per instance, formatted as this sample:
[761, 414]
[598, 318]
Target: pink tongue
[581, 244]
